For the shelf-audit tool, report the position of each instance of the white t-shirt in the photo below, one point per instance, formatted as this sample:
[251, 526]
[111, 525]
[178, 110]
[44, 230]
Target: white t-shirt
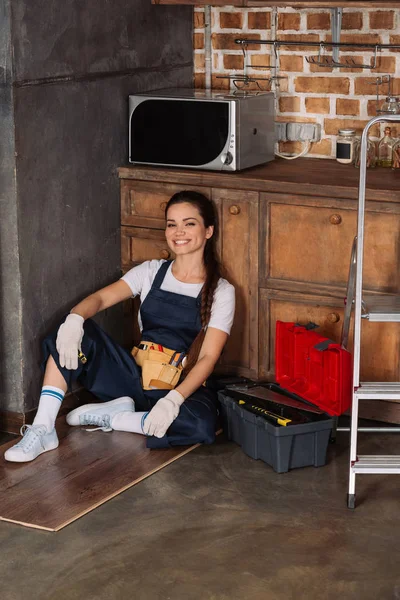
[140, 280]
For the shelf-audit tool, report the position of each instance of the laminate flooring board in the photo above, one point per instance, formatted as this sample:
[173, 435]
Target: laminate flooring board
[86, 470]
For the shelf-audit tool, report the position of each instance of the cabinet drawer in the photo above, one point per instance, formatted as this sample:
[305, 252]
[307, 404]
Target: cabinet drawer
[143, 202]
[312, 245]
[380, 342]
[138, 245]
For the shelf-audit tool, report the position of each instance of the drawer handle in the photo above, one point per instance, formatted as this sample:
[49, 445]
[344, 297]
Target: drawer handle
[333, 317]
[335, 219]
[234, 210]
[165, 254]
[163, 206]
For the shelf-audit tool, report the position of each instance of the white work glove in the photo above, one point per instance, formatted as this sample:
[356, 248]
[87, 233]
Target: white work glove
[163, 414]
[69, 340]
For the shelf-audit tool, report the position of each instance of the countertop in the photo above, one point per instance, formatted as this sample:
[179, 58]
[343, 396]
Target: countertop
[303, 176]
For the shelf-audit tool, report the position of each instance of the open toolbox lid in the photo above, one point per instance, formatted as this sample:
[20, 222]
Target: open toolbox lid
[313, 367]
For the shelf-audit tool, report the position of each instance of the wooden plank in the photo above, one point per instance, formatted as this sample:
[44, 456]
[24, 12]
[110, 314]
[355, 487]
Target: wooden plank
[86, 470]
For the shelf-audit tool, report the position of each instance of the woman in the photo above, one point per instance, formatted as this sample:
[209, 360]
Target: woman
[186, 311]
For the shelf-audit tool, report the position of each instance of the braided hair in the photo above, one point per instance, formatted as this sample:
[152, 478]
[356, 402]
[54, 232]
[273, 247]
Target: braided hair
[212, 265]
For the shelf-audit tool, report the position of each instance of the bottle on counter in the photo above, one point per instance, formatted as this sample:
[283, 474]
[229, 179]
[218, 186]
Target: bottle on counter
[345, 145]
[396, 155]
[371, 154]
[391, 106]
[385, 149]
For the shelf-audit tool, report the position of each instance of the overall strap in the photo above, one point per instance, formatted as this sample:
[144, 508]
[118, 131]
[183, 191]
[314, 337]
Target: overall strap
[159, 278]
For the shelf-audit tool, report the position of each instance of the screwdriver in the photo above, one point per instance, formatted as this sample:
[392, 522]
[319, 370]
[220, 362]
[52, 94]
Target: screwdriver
[269, 416]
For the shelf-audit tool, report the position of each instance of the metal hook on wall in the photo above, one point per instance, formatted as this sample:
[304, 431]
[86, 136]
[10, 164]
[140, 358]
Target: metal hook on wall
[325, 61]
[242, 81]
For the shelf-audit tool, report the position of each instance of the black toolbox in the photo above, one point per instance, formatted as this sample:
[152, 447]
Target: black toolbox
[282, 448]
[284, 429]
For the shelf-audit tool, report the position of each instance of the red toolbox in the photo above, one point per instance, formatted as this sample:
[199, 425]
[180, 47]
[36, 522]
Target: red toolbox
[313, 367]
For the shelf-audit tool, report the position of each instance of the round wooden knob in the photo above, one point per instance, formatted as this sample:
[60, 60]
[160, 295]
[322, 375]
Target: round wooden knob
[234, 210]
[333, 317]
[165, 254]
[163, 206]
[335, 219]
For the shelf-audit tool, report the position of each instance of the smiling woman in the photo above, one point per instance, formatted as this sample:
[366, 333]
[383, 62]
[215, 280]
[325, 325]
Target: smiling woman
[186, 232]
[185, 318]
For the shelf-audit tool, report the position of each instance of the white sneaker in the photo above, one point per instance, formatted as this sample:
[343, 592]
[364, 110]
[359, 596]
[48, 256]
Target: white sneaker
[100, 414]
[35, 441]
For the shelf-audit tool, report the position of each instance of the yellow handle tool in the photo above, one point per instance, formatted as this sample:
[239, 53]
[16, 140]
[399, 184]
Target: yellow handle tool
[266, 413]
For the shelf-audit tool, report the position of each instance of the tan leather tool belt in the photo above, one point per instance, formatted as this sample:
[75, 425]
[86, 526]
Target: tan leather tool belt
[161, 367]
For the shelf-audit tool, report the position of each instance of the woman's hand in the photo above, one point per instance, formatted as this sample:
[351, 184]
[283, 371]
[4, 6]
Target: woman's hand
[69, 340]
[70, 334]
[163, 413]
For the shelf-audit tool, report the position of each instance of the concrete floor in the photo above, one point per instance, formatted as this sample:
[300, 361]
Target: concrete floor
[217, 525]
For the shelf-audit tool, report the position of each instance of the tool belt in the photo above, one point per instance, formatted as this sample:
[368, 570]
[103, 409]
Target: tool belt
[161, 367]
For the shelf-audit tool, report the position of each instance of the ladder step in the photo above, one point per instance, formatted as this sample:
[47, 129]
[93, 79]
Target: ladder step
[381, 308]
[388, 390]
[377, 464]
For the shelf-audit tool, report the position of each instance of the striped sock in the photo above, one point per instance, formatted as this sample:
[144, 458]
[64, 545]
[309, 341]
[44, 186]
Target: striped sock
[49, 405]
[129, 421]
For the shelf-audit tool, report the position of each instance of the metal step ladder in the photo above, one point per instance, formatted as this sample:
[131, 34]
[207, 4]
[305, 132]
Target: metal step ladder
[377, 308]
[344, 342]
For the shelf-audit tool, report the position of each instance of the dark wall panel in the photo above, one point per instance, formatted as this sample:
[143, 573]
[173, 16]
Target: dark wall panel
[89, 36]
[10, 292]
[71, 87]
[68, 198]
[66, 70]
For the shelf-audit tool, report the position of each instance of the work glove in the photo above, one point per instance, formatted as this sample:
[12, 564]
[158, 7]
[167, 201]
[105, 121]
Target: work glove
[69, 340]
[163, 414]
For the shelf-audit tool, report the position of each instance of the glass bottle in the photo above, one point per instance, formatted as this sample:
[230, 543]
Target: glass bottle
[385, 149]
[391, 106]
[396, 155]
[371, 154]
[345, 146]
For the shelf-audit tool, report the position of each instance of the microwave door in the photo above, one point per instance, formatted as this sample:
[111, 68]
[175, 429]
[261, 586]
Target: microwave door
[179, 132]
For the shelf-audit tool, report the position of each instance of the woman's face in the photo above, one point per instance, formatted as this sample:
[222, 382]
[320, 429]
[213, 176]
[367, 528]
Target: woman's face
[185, 230]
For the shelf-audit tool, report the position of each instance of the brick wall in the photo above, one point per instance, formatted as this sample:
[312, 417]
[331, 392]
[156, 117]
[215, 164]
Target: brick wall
[335, 98]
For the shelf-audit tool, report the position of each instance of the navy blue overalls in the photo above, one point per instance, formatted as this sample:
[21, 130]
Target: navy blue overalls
[169, 319]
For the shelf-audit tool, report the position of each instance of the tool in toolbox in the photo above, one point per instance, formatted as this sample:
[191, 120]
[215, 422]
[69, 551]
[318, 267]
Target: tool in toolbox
[275, 408]
[259, 410]
[374, 308]
[274, 393]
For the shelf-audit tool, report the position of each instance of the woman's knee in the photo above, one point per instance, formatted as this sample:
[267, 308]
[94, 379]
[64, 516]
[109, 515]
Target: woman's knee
[202, 425]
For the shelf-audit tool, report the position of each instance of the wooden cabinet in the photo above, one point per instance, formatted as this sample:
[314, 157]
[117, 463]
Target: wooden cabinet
[143, 202]
[305, 244]
[286, 232]
[380, 346]
[238, 211]
[307, 241]
[138, 245]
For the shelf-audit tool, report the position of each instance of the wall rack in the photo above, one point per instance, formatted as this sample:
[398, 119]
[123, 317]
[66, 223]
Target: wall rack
[320, 60]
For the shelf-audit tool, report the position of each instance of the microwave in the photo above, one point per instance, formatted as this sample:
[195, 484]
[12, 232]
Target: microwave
[201, 129]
